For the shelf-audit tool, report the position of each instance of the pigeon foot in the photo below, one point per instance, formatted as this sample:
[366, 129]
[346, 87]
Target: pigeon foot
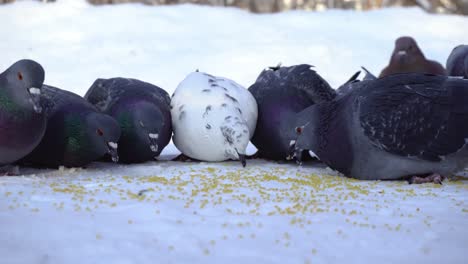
[434, 177]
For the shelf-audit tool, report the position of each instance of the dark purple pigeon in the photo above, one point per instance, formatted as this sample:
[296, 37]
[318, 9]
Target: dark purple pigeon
[76, 133]
[282, 92]
[142, 111]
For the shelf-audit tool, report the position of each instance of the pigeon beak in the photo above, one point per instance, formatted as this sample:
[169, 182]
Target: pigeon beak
[112, 150]
[154, 147]
[35, 94]
[402, 55]
[242, 159]
[292, 150]
[299, 156]
[153, 138]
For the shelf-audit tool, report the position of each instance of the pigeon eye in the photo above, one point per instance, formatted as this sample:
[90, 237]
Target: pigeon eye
[298, 130]
[99, 132]
[20, 76]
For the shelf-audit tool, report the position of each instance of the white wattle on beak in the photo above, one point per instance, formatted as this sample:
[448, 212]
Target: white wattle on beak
[153, 137]
[292, 143]
[113, 145]
[113, 151]
[34, 91]
[401, 52]
[35, 99]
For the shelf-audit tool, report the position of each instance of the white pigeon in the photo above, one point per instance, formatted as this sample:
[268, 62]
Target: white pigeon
[213, 118]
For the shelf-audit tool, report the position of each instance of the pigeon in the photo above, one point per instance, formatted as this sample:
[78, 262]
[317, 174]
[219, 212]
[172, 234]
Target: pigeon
[282, 92]
[457, 62]
[404, 126]
[22, 122]
[213, 118]
[76, 133]
[142, 111]
[407, 57]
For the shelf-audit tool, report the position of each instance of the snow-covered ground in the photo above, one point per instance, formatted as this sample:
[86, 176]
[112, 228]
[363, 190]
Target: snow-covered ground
[172, 212]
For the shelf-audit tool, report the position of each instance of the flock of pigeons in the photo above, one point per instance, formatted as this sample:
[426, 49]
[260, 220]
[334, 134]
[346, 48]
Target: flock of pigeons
[409, 123]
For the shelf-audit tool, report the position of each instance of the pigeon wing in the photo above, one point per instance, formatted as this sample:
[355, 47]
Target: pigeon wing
[416, 115]
[303, 78]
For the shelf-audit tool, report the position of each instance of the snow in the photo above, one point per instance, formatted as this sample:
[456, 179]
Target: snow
[172, 212]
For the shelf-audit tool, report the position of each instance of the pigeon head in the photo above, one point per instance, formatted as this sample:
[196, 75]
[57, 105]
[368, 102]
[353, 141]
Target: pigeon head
[306, 132]
[103, 134]
[149, 126]
[143, 129]
[288, 136]
[236, 137]
[406, 50]
[26, 76]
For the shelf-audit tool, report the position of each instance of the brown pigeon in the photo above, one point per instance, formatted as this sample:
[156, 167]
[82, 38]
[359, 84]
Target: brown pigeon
[407, 57]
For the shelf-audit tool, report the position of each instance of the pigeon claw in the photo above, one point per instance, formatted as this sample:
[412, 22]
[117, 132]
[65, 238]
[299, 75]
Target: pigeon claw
[434, 178]
[299, 156]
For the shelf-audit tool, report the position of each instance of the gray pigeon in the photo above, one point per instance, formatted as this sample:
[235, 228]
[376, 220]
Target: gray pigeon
[76, 133]
[407, 57]
[22, 123]
[142, 111]
[411, 126]
[457, 62]
[282, 92]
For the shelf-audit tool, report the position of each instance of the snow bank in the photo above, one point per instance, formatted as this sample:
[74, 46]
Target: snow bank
[77, 43]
